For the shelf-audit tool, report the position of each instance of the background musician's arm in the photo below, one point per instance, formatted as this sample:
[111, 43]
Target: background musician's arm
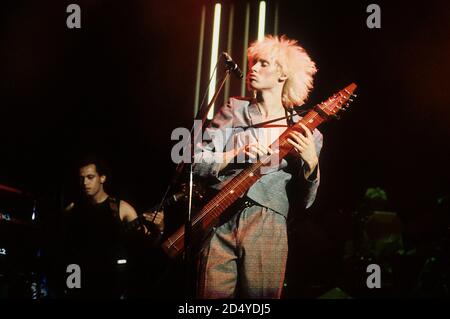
[127, 212]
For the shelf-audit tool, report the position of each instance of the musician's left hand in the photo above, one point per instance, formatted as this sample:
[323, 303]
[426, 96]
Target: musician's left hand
[305, 147]
[158, 220]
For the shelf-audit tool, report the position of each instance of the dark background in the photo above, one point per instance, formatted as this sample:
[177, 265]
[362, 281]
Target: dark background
[125, 80]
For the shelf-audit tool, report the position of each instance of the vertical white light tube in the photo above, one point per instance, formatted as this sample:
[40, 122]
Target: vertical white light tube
[214, 56]
[199, 61]
[245, 46]
[226, 93]
[261, 20]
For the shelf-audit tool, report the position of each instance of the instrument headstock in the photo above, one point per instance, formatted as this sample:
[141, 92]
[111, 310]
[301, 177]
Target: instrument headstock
[338, 102]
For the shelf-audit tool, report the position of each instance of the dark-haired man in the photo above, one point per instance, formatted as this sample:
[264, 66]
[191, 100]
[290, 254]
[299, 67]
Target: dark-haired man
[97, 232]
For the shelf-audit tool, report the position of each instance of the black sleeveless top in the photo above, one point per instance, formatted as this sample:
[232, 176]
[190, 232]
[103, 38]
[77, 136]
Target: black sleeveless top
[94, 241]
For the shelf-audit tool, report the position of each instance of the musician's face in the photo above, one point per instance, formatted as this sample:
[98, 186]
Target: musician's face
[264, 74]
[90, 181]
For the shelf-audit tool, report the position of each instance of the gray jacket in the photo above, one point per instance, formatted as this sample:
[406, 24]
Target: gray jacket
[271, 190]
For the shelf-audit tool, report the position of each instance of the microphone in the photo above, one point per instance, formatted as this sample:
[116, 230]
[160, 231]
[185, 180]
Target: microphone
[231, 65]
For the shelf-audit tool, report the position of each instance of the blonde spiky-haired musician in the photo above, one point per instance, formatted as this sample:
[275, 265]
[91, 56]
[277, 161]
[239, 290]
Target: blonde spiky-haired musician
[245, 256]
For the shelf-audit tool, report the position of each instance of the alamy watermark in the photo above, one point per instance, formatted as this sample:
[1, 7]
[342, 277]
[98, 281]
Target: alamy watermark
[373, 21]
[374, 279]
[74, 279]
[74, 18]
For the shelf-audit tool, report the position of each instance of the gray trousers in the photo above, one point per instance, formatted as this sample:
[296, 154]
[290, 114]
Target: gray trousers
[245, 257]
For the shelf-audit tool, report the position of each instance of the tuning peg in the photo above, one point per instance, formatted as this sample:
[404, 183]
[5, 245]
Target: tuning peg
[351, 100]
[354, 95]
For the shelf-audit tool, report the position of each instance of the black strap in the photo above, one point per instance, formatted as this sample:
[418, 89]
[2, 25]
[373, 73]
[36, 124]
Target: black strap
[289, 117]
[114, 205]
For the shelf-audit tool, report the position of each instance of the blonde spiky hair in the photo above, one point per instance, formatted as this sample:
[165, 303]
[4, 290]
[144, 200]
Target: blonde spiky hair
[293, 62]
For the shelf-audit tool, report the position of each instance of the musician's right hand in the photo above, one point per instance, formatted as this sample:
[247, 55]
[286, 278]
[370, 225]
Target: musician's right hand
[238, 155]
